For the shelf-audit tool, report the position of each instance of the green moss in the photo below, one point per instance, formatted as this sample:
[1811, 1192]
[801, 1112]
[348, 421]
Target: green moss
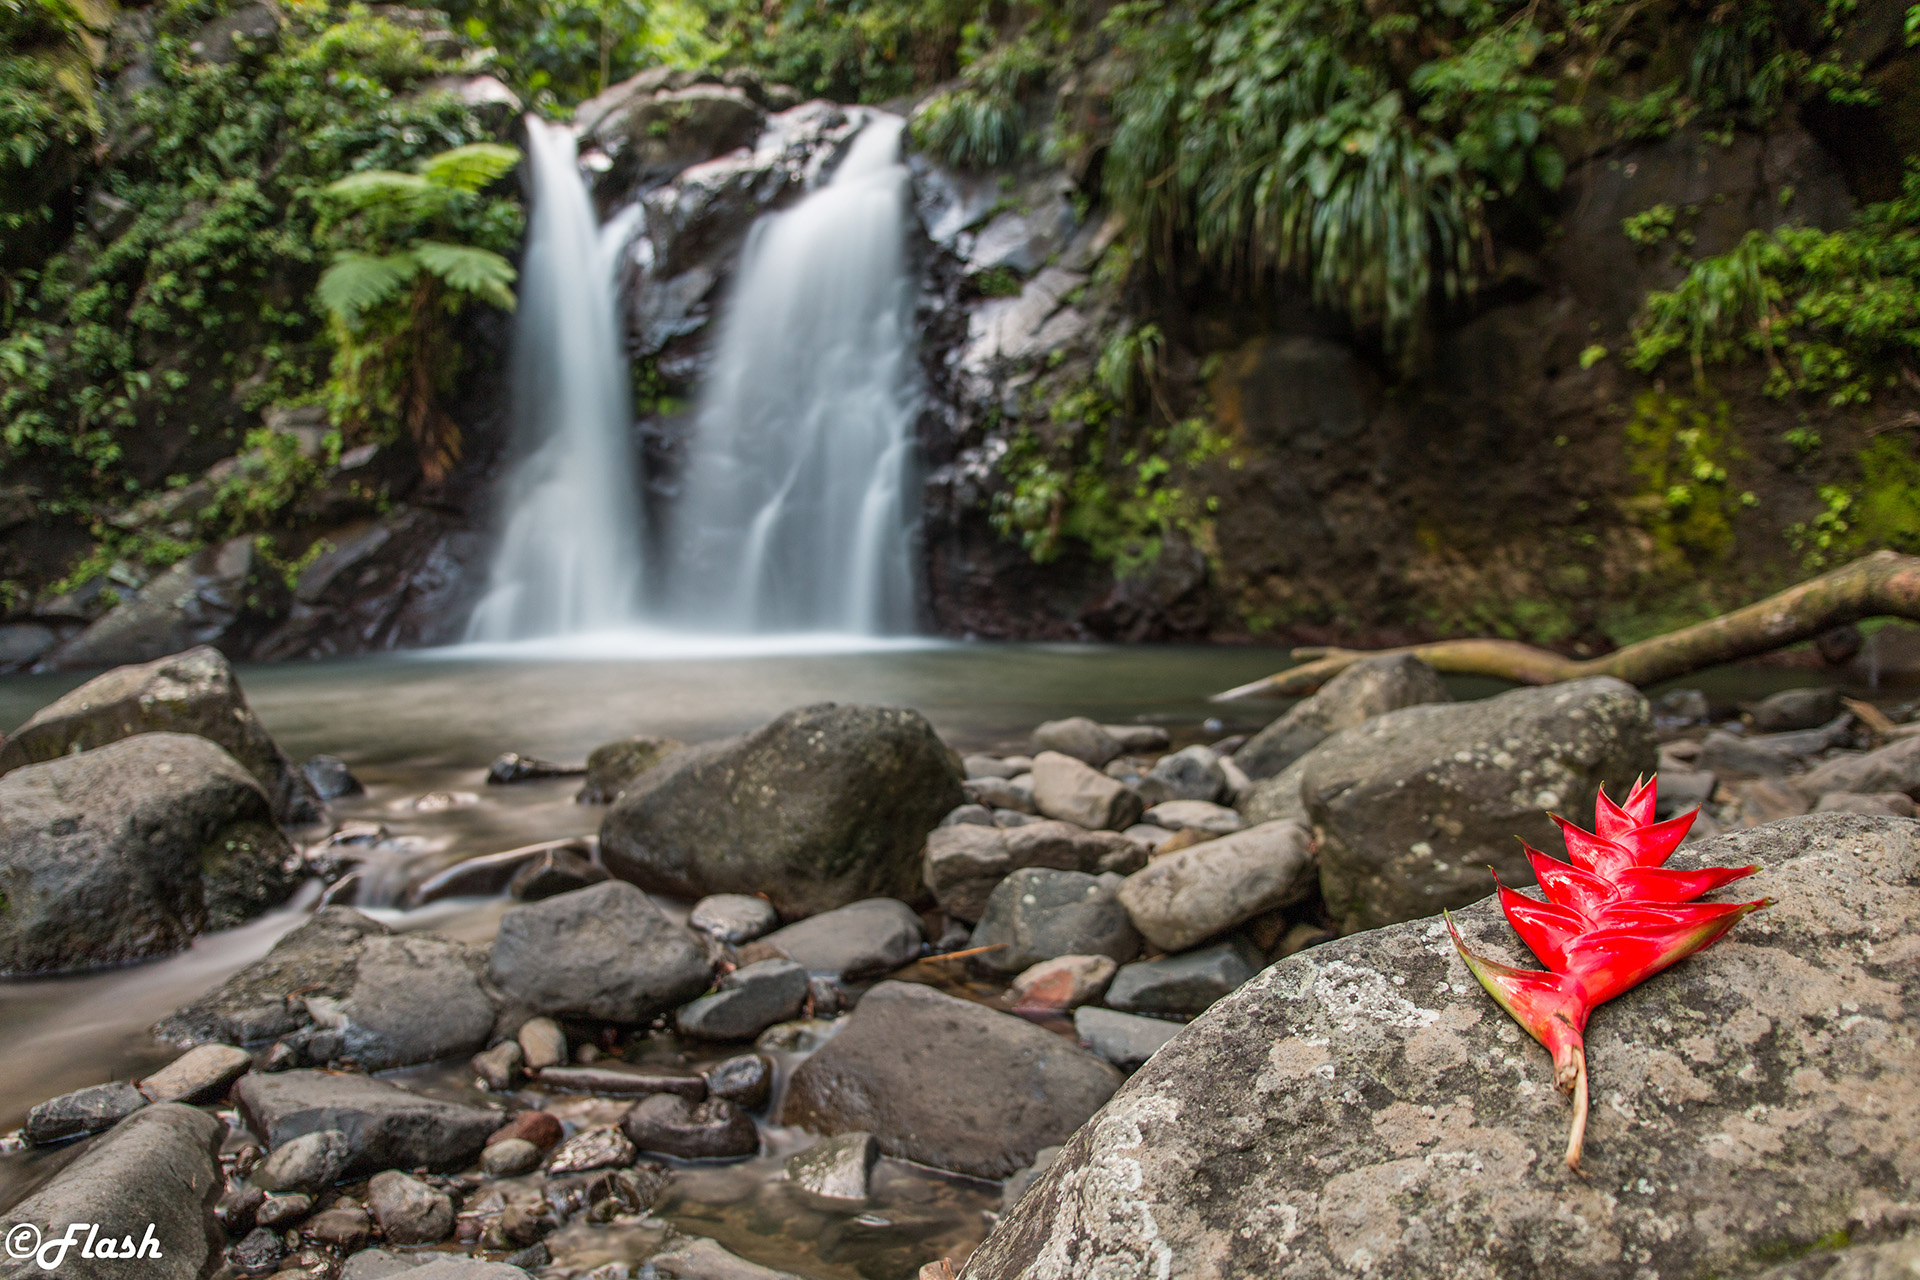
[1882, 510]
[1681, 449]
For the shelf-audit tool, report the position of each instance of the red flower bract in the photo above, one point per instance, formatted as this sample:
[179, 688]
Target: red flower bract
[1613, 917]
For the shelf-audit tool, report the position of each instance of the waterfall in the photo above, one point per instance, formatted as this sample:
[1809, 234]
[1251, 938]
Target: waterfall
[570, 555]
[796, 512]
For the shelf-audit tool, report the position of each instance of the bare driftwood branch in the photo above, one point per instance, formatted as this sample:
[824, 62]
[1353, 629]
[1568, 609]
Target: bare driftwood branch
[1882, 585]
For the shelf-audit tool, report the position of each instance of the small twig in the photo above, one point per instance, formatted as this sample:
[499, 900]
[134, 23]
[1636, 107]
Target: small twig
[970, 951]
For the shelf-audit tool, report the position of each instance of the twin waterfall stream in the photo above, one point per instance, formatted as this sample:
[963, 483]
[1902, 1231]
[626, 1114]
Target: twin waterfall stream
[795, 507]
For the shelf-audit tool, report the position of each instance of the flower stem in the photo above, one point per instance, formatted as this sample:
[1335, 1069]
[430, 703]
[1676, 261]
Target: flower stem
[1578, 1137]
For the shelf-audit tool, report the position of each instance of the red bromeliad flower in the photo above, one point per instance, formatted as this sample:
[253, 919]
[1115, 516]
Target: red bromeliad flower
[1612, 919]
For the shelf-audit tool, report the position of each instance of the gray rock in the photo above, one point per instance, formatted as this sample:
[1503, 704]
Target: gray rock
[414, 998]
[376, 1264]
[129, 850]
[83, 1111]
[1036, 914]
[1891, 804]
[1078, 737]
[159, 1167]
[710, 1130]
[311, 1162]
[193, 692]
[1891, 768]
[267, 998]
[1017, 1185]
[408, 1210]
[1371, 1086]
[750, 999]
[947, 1082]
[1792, 709]
[330, 778]
[857, 941]
[1680, 709]
[963, 864]
[1066, 789]
[824, 806]
[1894, 1260]
[542, 1043]
[601, 1147]
[1769, 755]
[385, 1126]
[1123, 1039]
[833, 1173]
[1411, 807]
[1368, 688]
[1196, 893]
[446, 1268]
[1184, 986]
[605, 953]
[1192, 773]
[611, 766]
[552, 872]
[1684, 789]
[1008, 818]
[661, 134]
[510, 768]
[280, 1212]
[509, 1158]
[1138, 737]
[746, 1081]
[1014, 794]
[500, 1067]
[979, 766]
[977, 815]
[1145, 833]
[257, 1251]
[1277, 799]
[202, 1074]
[700, 1259]
[1195, 815]
[733, 917]
[620, 1079]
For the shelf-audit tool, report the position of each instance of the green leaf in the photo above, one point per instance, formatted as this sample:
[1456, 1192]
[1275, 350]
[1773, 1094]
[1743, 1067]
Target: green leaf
[480, 272]
[380, 189]
[469, 168]
[357, 281]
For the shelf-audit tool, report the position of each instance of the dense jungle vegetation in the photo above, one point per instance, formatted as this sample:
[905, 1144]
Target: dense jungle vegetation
[214, 220]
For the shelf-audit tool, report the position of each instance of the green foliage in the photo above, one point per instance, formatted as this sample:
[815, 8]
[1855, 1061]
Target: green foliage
[1881, 510]
[1681, 448]
[558, 52]
[273, 471]
[981, 124]
[850, 50]
[427, 246]
[1834, 314]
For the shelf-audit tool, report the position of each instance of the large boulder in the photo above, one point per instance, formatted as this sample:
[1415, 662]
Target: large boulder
[341, 988]
[1205, 889]
[1411, 807]
[130, 850]
[606, 953]
[1036, 914]
[964, 862]
[1363, 1108]
[156, 1177]
[193, 692]
[947, 1082]
[1368, 688]
[384, 1126]
[824, 806]
[612, 765]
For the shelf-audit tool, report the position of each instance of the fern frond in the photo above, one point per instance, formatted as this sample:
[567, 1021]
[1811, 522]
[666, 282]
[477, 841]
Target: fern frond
[358, 281]
[479, 272]
[470, 168]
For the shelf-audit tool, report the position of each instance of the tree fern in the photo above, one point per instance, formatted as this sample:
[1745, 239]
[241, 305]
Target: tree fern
[358, 282]
[480, 273]
[470, 168]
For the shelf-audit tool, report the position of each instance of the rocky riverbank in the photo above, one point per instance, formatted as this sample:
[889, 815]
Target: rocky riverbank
[1184, 1005]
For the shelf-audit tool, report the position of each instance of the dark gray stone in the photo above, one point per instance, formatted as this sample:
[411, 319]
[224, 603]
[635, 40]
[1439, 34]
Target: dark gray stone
[833, 1173]
[1411, 807]
[311, 1162]
[745, 1081]
[620, 1079]
[319, 958]
[553, 872]
[1891, 768]
[1769, 755]
[601, 1147]
[1123, 1039]
[158, 1167]
[1192, 773]
[947, 1082]
[710, 1130]
[385, 1126]
[1183, 986]
[611, 766]
[857, 941]
[963, 864]
[1368, 1095]
[510, 768]
[1792, 709]
[824, 806]
[193, 692]
[330, 778]
[733, 917]
[408, 1210]
[750, 999]
[605, 953]
[83, 1111]
[1039, 913]
[1368, 688]
[129, 850]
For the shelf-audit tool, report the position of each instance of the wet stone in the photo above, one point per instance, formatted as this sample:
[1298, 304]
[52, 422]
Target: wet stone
[201, 1074]
[553, 872]
[602, 1147]
[499, 1067]
[330, 778]
[510, 767]
[408, 1210]
[733, 917]
[833, 1173]
[750, 1000]
[257, 1253]
[714, 1129]
[1183, 986]
[345, 1228]
[745, 1081]
[83, 1111]
[542, 1044]
[537, 1127]
[509, 1158]
[617, 1079]
[279, 1212]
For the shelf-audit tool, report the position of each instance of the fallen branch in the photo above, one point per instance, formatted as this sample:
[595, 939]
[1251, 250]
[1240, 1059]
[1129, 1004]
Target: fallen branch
[1882, 585]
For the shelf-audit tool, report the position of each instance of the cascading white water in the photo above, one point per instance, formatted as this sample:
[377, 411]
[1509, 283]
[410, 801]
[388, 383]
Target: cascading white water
[796, 512]
[570, 557]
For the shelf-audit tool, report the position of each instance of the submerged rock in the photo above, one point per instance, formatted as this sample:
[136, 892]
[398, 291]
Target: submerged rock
[131, 849]
[832, 1174]
[156, 1172]
[824, 806]
[1368, 688]
[1411, 807]
[192, 692]
[1364, 1107]
[947, 1082]
[605, 953]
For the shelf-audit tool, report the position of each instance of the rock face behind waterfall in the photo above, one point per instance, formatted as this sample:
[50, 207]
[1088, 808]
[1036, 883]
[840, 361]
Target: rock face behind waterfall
[1363, 1109]
[824, 806]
